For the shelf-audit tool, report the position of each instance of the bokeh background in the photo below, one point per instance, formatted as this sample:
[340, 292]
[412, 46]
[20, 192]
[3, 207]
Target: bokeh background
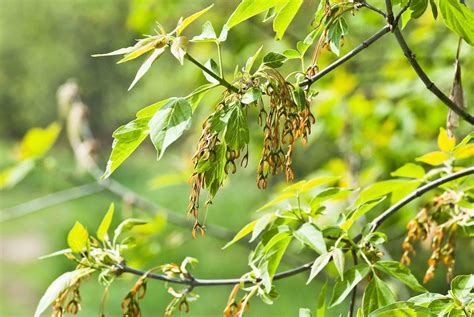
[373, 115]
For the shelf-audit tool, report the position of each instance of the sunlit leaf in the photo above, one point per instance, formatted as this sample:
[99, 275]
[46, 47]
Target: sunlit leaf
[465, 151]
[285, 16]
[402, 309]
[190, 19]
[179, 47]
[409, 170]
[445, 143]
[78, 237]
[60, 252]
[105, 224]
[250, 8]
[433, 158]
[276, 200]
[321, 305]
[146, 65]
[11, 176]
[339, 261]
[458, 18]
[58, 286]
[318, 265]
[274, 60]
[251, 60]
[38, 141]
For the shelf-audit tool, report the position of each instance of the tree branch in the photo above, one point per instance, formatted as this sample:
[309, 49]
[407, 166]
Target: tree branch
[308, 82]
[427, 81]
[417, 193]
[50, 200]
[123, 268]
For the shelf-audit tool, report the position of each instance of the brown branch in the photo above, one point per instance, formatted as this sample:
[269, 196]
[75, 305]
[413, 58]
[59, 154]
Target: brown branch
[365, 44]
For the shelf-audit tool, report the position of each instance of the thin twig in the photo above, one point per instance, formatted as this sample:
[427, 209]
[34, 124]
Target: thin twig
[427, 81]
[305, 267]
[49, 200]
[308, 82]
[390, 18]
[354, 290]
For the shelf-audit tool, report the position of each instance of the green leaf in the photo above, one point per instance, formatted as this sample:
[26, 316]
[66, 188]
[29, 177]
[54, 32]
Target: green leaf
[285, 16]
[351, 278]
[292, 54]
[402, 309]
[274, 60]
[276, 253]
[197, 94]
[183, 24]
[339, 260]
[458, 18]
[401, 273]
[328, 194]
[303, 46]
[169, 123]
[237, 131]
[150, 110]
[376, 295]
[60, 284]
[60, 252]
[78, 237]
[380, 189]
[251, 60]
[425, 299]
[38, 141]
[143, 46]
[214, 169]
[409, 170]
[433, 158]
[250, 8]
[242, 233]
[212, 66]
[311, 236]
[251, 96]
[359, 211]
[462, 287]
[418, 7]
[126, 139]
[321, 306]
[318, 265]
[11, 176]
[105, 224]
[260, 225]
[146, 65]
[318, 181]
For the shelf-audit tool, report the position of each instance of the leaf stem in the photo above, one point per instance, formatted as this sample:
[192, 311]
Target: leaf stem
[221, 80]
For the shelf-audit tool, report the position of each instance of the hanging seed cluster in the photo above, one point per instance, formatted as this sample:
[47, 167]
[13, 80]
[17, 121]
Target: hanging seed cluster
[225, 134]
[130, 306]
[287, 119]
[436, 221]
[68, 302]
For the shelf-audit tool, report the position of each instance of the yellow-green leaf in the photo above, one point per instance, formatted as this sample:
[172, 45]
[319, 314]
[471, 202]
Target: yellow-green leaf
[282, 197]
[77, 237]
[285, 16]
[445, 143]
[190, 19]
[433, 158]
[11, 176]
[465, 151]
[242, 233]
[38, 141]
[105, 224]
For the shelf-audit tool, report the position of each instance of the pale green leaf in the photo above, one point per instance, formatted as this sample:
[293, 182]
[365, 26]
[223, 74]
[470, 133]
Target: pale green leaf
[179, 46]
[402, 309]
[60, 252]
[251, 60]
[304, 312]
[57, 287]
[127, 225]
[276, 200]
[318, 265]
[146, 65]
[207, 35]
[169, 123]
[339, 261]
[11, 176]
[311, 236]
[321, 305]
[250, 8]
